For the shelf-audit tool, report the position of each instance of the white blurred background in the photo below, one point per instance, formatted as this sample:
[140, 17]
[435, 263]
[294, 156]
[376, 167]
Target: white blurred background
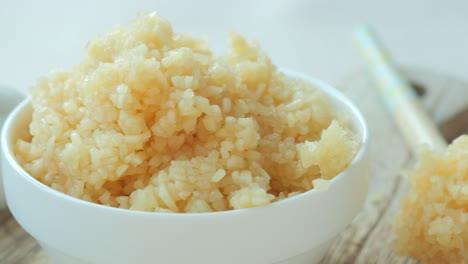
[311, 36]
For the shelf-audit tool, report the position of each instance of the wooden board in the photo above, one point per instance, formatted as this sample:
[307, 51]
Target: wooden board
[368, 239]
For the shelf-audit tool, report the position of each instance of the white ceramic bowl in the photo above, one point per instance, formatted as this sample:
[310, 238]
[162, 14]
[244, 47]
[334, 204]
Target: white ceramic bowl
[293, 231]
[9, 98]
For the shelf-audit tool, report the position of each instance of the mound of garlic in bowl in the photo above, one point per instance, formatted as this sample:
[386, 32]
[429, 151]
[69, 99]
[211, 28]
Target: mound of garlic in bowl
[154, 149]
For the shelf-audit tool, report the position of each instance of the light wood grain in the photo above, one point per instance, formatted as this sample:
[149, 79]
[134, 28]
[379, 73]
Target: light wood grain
[368, 239]
[16, 246]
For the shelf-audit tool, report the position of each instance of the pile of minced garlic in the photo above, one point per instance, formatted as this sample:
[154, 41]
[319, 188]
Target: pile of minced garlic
[151, 120]
[433, 223]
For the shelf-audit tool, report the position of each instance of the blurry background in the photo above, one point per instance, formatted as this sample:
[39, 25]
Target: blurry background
[311, 36]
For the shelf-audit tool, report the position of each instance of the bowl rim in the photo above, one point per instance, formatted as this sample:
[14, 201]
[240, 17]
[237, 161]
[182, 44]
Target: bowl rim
[329, 91]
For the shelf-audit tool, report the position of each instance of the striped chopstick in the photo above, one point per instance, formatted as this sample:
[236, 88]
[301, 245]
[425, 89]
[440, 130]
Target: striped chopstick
[400, 98]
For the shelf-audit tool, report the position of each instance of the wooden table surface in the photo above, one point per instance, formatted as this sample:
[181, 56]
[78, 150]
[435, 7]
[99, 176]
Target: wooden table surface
[368, 239]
